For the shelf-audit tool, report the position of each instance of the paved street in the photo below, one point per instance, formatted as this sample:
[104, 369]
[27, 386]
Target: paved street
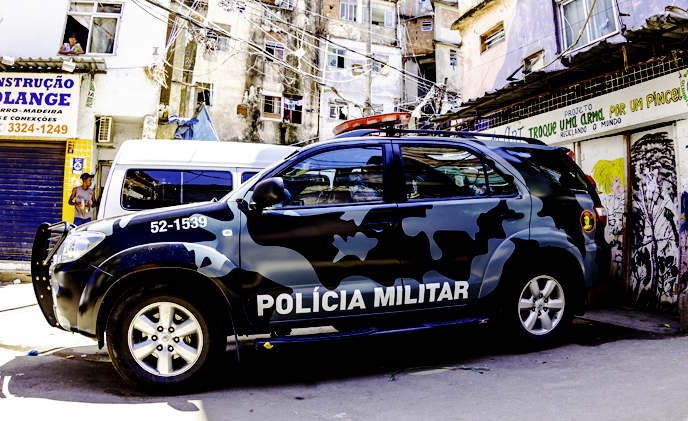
[603, 372]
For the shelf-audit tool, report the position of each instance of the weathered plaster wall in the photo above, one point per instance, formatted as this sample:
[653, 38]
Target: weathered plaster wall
[385, 88]
[236, 74]
[530, 27]
[480, 70]
[357, 30]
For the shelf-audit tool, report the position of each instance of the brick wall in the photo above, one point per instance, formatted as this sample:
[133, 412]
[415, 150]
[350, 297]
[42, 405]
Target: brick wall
[448, 17]
[331, 9]
[419, 42]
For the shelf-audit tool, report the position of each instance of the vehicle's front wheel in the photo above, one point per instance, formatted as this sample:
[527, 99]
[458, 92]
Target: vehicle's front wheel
[161, 339]
[537, 308]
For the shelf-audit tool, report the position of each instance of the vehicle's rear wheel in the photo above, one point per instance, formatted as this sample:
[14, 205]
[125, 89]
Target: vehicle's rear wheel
[162, 339]
[536, 308]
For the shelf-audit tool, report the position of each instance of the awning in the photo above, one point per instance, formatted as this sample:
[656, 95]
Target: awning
[54, 65]
[659, 36]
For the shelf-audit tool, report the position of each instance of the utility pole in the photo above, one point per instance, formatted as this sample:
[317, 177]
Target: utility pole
[368, 105]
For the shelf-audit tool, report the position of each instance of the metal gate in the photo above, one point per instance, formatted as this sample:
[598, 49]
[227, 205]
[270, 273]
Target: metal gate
[31, 185]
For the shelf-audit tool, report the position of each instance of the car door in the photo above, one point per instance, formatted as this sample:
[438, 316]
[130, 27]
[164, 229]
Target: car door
[331, 246]
[458, 210]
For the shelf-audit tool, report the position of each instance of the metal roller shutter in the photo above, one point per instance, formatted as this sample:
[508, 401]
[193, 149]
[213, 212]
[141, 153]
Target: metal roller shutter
[31, 183]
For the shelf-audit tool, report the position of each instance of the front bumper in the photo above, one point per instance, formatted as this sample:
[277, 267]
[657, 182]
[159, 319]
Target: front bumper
[41, 256]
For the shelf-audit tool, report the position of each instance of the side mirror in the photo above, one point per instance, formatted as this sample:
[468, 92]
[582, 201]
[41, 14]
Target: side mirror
[267, 193]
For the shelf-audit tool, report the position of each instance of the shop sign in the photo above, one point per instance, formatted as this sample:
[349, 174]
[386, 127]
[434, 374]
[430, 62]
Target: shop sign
[631, 107]
[39, 105]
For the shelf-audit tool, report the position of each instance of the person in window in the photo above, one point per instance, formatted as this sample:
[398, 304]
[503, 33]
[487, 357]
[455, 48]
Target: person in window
[72, 47]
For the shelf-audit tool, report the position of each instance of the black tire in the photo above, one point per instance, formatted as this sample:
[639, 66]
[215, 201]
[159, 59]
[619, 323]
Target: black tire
[143, 345]
[538, 307]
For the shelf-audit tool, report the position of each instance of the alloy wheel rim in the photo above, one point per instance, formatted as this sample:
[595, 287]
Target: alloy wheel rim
[541, 305]
[165, 339]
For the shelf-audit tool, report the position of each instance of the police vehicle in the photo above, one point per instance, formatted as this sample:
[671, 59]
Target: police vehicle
[372, 231]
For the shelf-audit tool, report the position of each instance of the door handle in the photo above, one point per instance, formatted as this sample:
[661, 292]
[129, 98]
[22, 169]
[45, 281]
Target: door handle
[512, 215]
[379, 226]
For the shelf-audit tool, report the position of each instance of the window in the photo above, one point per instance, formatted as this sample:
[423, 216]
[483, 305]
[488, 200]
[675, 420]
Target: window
[602, 22]
[441, 172]
[245, 176]
[274, 49]
[338, 111]
[534, 62]
[95, 25]
[452, 58]
[293, 108]
[426, 25]
[272, 107]
[492, 37]
[335, 58]
[205, 93]
[350, 175]
[151, 189]
[221, 42]
[383, 17]
[285, 4]
[379, 65]
[347, 9]
[553, 165]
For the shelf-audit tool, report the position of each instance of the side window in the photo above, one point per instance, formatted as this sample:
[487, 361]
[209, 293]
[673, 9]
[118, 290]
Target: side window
[441, 172]
[151, 189]
[497, 185]
[350, 175]
[245, 176]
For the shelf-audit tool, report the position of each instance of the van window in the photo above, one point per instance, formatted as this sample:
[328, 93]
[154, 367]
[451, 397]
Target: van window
[150, 189]
[247, 175]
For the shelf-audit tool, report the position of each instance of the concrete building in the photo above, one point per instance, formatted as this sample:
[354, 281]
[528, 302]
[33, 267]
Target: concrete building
[63, 114]
[256, 71]
[344, 71]
[431, 52]
[608, 84]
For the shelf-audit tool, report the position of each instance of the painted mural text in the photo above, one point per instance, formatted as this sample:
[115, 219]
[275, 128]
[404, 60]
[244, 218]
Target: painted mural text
[344, 301]
[597, 116]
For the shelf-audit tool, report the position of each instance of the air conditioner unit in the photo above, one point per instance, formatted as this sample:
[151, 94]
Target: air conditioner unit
[104, 130]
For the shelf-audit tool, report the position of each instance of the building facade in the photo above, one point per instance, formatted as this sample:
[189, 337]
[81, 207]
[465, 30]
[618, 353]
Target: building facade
[431, 56]
[61, 114]
[608, 83]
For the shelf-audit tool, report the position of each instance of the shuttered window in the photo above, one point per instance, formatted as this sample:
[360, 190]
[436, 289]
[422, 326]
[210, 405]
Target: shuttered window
[31, 192]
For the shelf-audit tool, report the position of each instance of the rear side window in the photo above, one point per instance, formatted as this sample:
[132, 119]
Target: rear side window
[445, 172]
[554, 165]
[150, 189]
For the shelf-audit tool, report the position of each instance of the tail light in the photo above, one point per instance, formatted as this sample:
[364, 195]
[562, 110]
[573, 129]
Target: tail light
[601, 214]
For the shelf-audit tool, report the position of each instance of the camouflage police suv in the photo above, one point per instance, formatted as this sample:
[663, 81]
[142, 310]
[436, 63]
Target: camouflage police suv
[367, 232]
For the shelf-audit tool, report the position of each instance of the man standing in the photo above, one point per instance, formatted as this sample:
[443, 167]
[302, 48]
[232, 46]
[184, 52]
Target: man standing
[83, 198]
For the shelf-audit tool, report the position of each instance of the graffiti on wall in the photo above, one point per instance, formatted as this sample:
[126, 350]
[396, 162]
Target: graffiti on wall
[609, 176]
[683, 238]
[654, 230]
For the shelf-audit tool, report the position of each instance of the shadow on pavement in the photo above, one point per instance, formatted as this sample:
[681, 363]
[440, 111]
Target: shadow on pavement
[79, 380]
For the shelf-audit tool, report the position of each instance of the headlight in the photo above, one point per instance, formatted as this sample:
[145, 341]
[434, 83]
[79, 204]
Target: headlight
[77, 244]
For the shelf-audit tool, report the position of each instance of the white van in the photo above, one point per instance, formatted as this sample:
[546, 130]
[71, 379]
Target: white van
[149, 174]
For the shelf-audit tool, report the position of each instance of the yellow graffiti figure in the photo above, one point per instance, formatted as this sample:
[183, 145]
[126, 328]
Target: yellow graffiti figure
[610, 176]
[587, 223]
